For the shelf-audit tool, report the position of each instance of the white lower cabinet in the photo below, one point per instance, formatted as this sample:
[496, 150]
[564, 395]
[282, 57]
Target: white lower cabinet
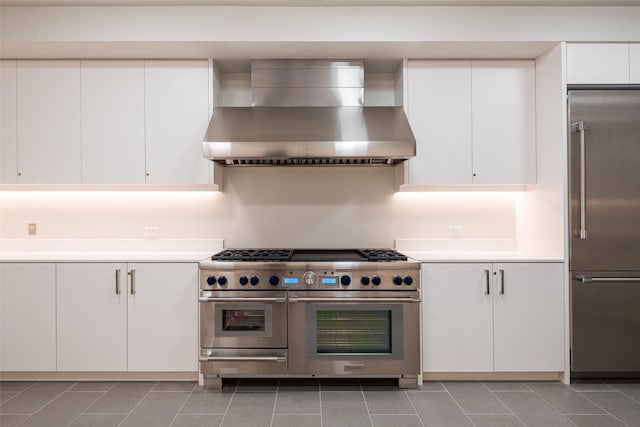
[27, 317]
[127, 317]
[493, 317]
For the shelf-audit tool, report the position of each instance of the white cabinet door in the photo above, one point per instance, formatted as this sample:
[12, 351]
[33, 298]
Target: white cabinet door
[92, 317]
[439, 111]
[634, 63]
[503, 110]
[177, 115]
[48, 122]
[528, 317]
[27, 317]
[589, 63]
[8, 131]
[163, 317]
[113, 134]
[457, 318]
[474, 122]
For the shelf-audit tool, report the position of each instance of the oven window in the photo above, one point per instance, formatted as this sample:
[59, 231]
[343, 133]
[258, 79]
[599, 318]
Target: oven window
[243, 320]
[353, 331]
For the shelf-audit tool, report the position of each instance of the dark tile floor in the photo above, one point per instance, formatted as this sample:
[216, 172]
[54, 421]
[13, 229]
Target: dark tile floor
[328, 403]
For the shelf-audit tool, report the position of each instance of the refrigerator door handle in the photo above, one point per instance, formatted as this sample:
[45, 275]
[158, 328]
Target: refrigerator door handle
[590, 279]
[579, 127]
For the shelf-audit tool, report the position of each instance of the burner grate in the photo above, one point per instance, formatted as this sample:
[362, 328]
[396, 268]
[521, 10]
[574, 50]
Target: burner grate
[383, 255]
[253, 255]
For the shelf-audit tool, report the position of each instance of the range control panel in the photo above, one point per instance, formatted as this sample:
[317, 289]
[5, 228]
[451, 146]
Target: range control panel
[238, 279]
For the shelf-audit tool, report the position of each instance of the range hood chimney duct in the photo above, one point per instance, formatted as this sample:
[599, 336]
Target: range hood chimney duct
[308, 112]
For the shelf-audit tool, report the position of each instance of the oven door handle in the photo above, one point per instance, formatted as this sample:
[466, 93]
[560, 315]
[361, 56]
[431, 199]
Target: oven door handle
[242, 299]
[372, 299]
[277, 359]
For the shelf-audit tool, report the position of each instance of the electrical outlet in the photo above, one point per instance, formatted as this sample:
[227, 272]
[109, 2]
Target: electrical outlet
[151, 232]
[31, 229]
[456, 230]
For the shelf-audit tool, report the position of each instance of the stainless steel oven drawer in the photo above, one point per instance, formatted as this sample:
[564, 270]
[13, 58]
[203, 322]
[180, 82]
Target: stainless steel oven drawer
[243, 361]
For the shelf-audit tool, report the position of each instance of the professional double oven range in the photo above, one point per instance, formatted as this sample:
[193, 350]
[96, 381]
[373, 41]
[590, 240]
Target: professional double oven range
[309, 313]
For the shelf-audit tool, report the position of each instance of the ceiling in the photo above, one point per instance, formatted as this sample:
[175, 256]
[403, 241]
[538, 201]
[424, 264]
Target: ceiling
[321, 2]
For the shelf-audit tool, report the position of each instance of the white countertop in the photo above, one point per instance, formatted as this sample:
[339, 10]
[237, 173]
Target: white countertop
[471, 250]
[88, 250]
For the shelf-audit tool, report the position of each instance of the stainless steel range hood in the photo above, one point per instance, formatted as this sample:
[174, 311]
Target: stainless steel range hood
[308, 112]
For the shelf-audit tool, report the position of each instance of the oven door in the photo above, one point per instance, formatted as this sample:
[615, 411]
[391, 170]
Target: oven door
[243, 319]
[354, 333]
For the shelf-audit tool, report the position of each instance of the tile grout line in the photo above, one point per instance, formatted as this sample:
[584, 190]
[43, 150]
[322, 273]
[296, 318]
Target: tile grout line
[17, 393]
[550, 404]
[226, 410]
[128, 414]
[364, 399]
[320, 402]
[183, 403]
[43, 406]
[609, 413]
[505, 405]
[406, 393]
[457, 403]
[626, 395]
[91, 404]
[275, 402]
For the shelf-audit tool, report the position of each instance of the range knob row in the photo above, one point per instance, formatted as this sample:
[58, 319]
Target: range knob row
[309, 278]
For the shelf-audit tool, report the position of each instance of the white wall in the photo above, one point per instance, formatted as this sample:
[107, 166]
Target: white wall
[298, 207]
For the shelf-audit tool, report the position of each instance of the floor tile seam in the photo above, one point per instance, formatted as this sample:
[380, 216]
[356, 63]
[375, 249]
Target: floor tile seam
[300, 413]
[630, 397]
[46, 404]
[607, 412]
[366, 405]
[548, 402]
[275, 402]
[414, 407]
[226, 410]
[182, 406]
[320, 402]
[136, 405]
[585, 395]
[458, 404]
[507, 406]
[82, 412]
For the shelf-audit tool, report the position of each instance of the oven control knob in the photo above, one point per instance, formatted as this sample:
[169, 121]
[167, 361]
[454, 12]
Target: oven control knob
[222, 280]
[309, 278]
[364, 280]
[243, 280]
[211, 280]
[397, 280]
[375, 280]
[408, 280]
[254, 280]
[345, 280]
[274, 280]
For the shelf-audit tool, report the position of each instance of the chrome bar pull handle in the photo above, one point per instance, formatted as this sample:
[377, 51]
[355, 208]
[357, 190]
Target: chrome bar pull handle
[487, 282]
[117, 281]
[590, 279]
[501, 282]
[580, 128]
[132, 274]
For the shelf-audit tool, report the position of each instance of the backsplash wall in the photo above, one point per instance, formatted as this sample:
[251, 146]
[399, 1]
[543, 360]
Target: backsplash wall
[262, 207]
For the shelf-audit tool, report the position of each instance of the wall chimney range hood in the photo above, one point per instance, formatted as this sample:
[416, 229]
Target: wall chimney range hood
[308, 112]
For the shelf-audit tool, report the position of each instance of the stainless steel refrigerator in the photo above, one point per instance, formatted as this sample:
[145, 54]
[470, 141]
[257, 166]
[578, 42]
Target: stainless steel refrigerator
[604, 222]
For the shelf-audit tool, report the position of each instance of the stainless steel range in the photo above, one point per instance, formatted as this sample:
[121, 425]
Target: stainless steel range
[309, 313]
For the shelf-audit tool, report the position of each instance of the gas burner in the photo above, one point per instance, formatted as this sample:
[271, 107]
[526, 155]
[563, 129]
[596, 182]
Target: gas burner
[383, 255]
[253, 255]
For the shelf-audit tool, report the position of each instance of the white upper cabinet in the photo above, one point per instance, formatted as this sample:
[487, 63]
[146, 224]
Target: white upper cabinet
[503, 122]
[113, 131]
[48, 122]
[597, 63]
[634, 63]
[8, 131]
[27, 317]
[474, 122]
[177, 115]
[439, 110]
